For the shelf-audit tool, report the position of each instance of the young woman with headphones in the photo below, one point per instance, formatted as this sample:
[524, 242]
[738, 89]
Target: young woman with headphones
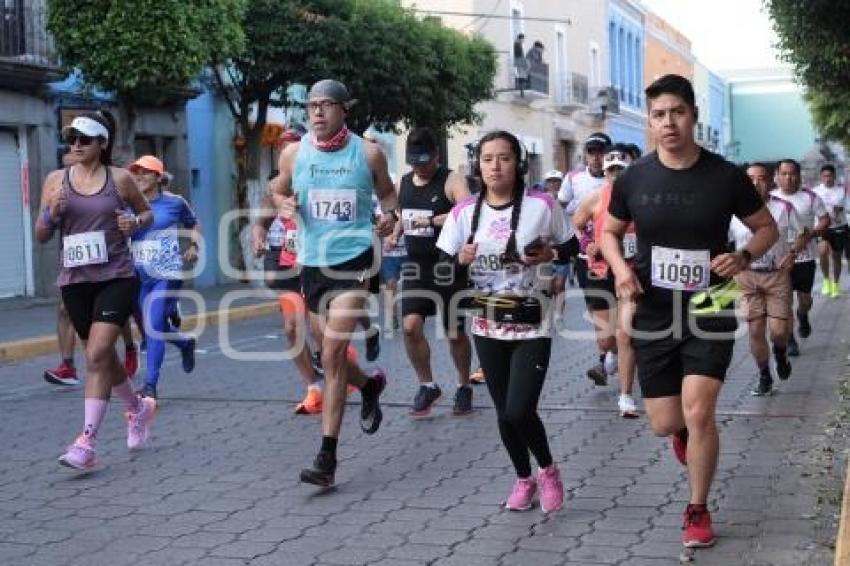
[504, 234]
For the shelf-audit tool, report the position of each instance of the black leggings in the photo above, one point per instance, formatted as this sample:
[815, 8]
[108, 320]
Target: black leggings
[515, 371]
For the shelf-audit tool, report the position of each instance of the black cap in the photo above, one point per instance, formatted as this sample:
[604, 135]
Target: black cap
[421, 146]
[597, 140]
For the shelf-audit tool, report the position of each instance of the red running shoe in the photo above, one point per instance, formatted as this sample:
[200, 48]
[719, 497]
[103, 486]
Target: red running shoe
[680, 446]
[62, 375]
[696, 530]
[131, 361]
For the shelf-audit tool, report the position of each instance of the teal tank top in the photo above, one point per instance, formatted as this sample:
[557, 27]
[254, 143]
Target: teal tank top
[334, 191]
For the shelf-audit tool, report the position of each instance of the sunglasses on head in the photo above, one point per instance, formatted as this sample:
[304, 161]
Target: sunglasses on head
[72, 139]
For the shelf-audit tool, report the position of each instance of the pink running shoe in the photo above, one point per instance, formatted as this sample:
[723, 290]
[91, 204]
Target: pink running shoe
[80, 455]
[522, 494]
[139, 423]
[551, 489]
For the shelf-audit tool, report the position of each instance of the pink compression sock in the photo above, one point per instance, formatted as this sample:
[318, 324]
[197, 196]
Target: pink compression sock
[95, 409]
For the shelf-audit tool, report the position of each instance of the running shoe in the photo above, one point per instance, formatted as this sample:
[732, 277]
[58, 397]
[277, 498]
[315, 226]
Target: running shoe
[697, 531]
[835, 290]
[610, 363]
[627, 406]
[551, 489]
[312, 403]
[373, 343]
[425, 399]
[598, 375]
[370, 409]
[139, 423]
[463, 401]
[188, 355]
[714, 299]
[323, 471]
[80, 455]
[680, 446]
[148, 390]
[804, 326]
[522, 495]
[763, 388]
[826, 288]
[62, 375]
[131, 361]
[783, 368]
[477, 377]
[793, 347]
[316, 361]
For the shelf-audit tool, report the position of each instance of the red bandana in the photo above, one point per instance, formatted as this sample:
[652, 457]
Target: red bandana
[336, 143]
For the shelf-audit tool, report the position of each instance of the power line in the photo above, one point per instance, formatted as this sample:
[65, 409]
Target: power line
[567, 21]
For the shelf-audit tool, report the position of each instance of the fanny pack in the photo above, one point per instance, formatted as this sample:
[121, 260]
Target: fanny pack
[508, 309]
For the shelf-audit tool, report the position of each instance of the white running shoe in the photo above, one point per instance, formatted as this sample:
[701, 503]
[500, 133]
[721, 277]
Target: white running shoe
[611, 363]
[627, 406]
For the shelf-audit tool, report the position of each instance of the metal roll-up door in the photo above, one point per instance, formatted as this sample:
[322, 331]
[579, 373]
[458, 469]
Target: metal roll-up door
[12, 264]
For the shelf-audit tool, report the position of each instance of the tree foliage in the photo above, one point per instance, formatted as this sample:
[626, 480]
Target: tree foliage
[813, 38]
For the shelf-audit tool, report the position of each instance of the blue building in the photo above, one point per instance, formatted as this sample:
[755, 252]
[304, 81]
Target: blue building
[627, 115]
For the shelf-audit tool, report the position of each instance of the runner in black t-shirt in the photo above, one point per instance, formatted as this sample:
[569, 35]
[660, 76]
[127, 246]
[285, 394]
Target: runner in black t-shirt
[681, 199]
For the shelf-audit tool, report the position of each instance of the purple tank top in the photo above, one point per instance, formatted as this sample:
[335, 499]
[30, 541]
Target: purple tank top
[89, 216]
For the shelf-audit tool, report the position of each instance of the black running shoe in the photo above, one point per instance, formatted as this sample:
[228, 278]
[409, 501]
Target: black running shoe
[323, 471]
[804, 326]
[148, 391]
[793, 347]
[370, 409]
[783, 368]
[373, 344]
[463, 401]
[763, 387]
[425, 399]
[316, 362]
[188, 355]
[598, 375]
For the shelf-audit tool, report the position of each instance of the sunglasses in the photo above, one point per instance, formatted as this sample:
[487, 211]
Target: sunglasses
[323, 105]
[72, 139]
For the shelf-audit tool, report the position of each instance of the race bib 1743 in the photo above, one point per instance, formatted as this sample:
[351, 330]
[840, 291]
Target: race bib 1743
[87, 248]
[333, 205]
[680, 270]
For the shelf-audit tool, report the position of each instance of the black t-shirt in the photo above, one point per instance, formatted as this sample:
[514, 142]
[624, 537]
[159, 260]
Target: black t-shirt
[683, 209]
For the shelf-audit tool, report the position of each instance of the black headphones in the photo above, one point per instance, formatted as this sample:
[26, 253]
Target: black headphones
[518, 147]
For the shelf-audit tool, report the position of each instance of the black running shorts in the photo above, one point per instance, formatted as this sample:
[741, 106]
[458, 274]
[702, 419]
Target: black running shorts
[803, 276]
[322, 284]
[111, 301]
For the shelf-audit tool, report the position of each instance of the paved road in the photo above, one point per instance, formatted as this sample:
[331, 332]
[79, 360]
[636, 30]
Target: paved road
[219, 484]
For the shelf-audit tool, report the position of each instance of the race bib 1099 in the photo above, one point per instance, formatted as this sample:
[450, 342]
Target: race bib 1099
[87, 248]
[680, 270]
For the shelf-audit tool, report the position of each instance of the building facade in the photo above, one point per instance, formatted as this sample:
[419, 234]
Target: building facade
[710, 93]
[627, 120]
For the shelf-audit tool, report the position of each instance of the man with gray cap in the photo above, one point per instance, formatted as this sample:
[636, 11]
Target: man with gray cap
[326, 183]
[426, 196]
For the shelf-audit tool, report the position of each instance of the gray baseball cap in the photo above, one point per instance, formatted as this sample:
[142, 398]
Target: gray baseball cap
[334, 90]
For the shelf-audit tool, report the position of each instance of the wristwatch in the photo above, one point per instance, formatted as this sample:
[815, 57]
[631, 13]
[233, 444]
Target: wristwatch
[431, 221]
[137, 220]
[393, 212]
[745, 253]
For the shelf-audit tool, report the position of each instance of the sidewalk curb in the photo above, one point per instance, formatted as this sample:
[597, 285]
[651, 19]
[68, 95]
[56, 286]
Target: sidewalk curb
[18, 350]
[842, 540]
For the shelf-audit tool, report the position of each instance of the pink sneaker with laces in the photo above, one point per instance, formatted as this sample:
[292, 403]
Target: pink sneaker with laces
[551, 489]
[522, 495]
[79, 455]
[139, 423]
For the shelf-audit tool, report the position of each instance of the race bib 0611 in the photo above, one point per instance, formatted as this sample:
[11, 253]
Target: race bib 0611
[87, 248]
[680, 270]
[332, 205]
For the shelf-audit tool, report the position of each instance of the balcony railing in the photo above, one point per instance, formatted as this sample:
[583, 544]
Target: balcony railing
[572, 90]
[23, 35]
[528, 77]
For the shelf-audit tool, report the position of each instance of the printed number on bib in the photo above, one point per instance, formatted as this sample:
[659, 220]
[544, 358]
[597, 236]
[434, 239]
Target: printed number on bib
[629, 246]
[333, 205]
[147, 252]
[275, 236]
[88, 248]
[680, 270]
[408, 215]
[290, 242]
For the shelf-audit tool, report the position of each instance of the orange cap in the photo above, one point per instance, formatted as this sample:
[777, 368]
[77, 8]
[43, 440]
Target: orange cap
[150, 163]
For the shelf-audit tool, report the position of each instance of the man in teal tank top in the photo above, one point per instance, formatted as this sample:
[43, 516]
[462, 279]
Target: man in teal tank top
[326, 183]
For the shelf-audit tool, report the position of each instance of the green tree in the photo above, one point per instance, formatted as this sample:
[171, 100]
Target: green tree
[813, 38]
[144, 51]
[403, 70]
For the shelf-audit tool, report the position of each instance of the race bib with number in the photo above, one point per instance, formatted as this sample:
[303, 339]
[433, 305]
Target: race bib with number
[629, 246]
[275, 236]
[680, 270]
[333, 205]
[147, 252]
[290, 241]
[765, 262]
[409, 215]
[87, 248]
